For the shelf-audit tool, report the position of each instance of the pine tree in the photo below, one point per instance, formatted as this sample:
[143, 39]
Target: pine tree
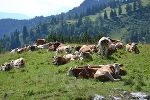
[115, 13]
[139, 3]
[79, 22]
[25, 34]
[128, 8]
[111, 14]
[120, 10]
[105, 15]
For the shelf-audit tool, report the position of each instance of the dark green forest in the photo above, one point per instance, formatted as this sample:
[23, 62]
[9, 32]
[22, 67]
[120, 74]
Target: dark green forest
[79, 27]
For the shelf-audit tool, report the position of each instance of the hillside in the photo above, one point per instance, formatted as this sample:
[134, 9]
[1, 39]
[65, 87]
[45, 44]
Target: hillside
[8, 26]
[39, 79]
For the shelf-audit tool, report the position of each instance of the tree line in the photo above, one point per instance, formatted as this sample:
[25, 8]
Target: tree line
[85, 30]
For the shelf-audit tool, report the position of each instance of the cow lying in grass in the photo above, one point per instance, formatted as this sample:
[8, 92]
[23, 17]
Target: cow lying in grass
[40, 42]
[60, 60]
[101, 72]
[88, 48]
[132, 48]
[18, 63]
[108, 72]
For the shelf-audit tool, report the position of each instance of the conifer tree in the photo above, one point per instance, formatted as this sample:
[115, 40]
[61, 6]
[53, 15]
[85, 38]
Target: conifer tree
[105, 15]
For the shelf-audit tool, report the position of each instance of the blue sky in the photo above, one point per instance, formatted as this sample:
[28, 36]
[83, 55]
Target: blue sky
[34, 8]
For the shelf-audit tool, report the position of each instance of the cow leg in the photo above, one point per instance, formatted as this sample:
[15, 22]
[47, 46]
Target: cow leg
[102, 51]
[106, 52]
[107, 74]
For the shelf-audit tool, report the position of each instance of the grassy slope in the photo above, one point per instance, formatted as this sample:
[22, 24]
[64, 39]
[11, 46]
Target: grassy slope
[39, 79]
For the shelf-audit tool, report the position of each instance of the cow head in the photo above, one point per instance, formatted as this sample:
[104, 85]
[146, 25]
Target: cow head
[22, 61]
[54, 60]
[70, 72]
[134, 48]
[117, 68]
[68, 49]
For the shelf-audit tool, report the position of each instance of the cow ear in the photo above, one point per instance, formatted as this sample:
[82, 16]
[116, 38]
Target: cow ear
[121, 65]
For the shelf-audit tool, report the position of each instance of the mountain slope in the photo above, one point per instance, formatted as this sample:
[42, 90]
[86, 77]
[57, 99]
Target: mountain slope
[8, 26]
[87, 4]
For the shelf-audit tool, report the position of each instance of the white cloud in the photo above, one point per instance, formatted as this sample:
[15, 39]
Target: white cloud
[37, 7]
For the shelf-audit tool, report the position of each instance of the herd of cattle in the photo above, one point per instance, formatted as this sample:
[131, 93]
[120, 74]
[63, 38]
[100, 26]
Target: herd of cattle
[105, 47]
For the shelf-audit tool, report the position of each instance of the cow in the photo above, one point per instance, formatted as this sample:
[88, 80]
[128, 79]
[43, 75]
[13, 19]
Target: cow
[103, 46]
[108, 72]
[54, 46]
[21, 50]
[40, 42]
[87, 48]
[132, 48]
[18, 63]
[113, 40]
[82, 72]
[77, 48]
[63, 49]
[32, 47]
[14, 50]
[59, 60]
[90, 71]
[93, 48]
[44, 46]
[71, 56]
[111, 49]
[6, 67]
[119, 45]
[85, 56]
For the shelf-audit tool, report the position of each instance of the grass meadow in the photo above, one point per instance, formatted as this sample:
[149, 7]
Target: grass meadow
[40, 79]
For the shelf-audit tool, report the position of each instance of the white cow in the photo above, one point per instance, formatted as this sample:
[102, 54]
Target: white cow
[18, 63]
[44, 46]
[14, 50]
[103, 46]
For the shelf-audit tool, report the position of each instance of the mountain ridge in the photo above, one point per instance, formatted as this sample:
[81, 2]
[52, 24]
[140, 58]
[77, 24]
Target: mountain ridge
[19, 16]
[80, 9]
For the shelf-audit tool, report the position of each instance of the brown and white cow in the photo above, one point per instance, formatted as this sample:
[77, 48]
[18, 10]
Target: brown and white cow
[71, 56]
[108, 72]
[82, 72]
[59, 60]
[88, 48]
[119, 45]
[40, 42]
[64, 49]
[132, 48]
[100, 72]
[54, 46]
[85, 56]
[44, 46]
[21, 50]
